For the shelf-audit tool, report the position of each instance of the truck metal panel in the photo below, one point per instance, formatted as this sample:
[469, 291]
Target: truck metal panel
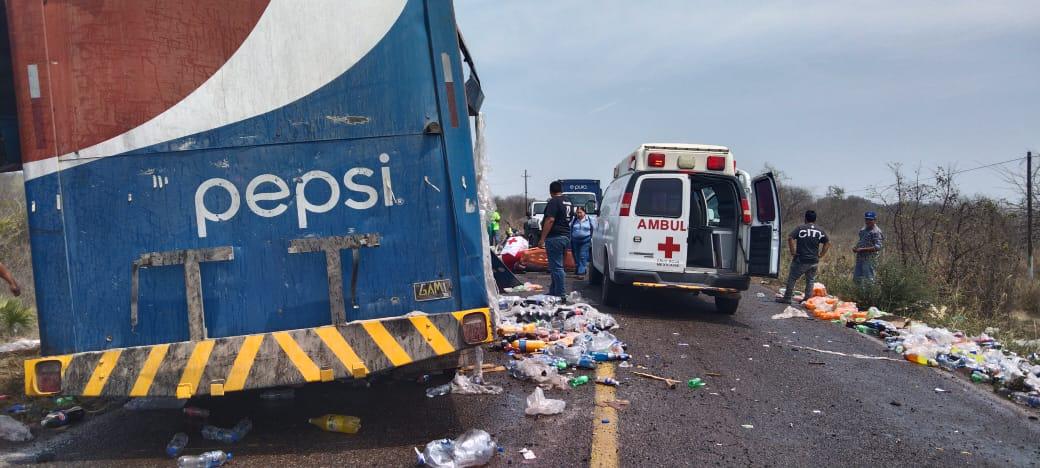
[221, 151]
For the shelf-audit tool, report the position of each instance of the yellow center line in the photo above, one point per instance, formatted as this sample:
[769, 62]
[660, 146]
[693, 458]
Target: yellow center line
[604, 434]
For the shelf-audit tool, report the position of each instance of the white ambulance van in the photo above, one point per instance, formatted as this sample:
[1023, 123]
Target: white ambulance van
[681, 216]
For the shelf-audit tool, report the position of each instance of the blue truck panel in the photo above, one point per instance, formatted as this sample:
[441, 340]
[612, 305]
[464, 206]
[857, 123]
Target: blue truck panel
[383, 147]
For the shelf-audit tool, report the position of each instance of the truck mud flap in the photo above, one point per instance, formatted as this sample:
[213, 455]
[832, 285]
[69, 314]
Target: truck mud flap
[220, 365]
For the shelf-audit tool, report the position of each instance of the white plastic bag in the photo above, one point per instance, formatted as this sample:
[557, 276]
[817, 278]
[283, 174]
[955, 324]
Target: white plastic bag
[473, 448]
[13, 430]
[537, 404]
[790, 312]
[462, 385]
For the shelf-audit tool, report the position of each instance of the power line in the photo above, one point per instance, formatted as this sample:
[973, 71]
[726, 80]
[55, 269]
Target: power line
[933, 178]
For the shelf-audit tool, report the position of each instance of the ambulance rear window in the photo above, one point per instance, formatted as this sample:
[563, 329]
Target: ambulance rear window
[660, 198]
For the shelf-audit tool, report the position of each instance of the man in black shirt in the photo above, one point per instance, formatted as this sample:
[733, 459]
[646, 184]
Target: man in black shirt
[556, 233]
[804, 243]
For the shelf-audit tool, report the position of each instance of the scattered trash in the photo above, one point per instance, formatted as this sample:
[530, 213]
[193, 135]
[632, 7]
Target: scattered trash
[616, 404]
[607, 381]
[337, 423]
[462, 385]
[439, 390]
[625, 364]
[670, 382]
[604, 421]
[940, 390]
[227, 436]
[473, 448]
[13, 430]
[790, 312]
[18, 408]
[538, 404]
[528, 346]
[816, 411]
[578, 381]
[154, 403]
[196, 412]
[695, 383]
[747, 426]
[19, 345]
[63, 417]
[524, 287]
[527, 454]
[760, 295]
[537, 370]
[206, 460]
[176, 445]
[278, 394]
[65, 401]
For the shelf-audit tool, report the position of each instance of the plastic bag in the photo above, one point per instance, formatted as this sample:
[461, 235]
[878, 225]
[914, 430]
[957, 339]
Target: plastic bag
[538, 371]
[790, 312]
[537, 404]
[473, 448]
[13, 430]
[462, 385]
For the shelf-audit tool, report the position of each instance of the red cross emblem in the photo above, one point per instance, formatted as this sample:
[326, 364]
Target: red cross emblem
[668, 247]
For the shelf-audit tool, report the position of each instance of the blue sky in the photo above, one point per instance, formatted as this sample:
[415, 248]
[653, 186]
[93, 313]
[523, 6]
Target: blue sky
[828, 92]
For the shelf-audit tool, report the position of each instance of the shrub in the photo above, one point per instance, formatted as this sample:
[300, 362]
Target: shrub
[15, 317]
[898, 288]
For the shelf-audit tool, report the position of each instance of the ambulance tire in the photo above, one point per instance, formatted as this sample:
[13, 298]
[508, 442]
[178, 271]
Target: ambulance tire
[595, 276]
[726, 305]
[610, 292]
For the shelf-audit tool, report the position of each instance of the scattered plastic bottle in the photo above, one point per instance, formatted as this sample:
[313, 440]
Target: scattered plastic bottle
[176, 445]
[602, 356]
[695, 383]
[1032, 401]
[64, 400]
[196, 412]
[979, 377]
[437, 391]
[607, 381]
[529, 346]
[227, 436]
[19, 408]
[63, 417]
[919, 359]
[587, 362]
[206, 460]
[337, 423]
[242, 427]
[579, 381]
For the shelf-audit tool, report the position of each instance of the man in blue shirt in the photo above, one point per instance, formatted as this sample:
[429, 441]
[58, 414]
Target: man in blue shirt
[867, 250]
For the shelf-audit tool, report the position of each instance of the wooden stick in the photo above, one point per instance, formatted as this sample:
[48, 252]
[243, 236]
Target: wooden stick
[671, 382]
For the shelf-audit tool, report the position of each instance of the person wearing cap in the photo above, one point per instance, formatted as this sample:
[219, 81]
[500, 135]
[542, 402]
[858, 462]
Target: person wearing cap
[867, 249]
[804, 243]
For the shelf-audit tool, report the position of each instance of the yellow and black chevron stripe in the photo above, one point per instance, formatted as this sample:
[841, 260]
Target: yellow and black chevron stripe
[220, 365]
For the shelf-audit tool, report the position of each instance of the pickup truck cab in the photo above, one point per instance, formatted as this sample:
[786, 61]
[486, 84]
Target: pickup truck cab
[681, 216]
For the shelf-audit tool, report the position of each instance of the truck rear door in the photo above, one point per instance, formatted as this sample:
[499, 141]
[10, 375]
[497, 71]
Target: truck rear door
[764, 250]
[659, 213]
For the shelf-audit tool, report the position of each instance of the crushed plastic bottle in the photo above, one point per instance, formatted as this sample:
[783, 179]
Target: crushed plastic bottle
[63, 417]
[196, 412]
[176, 445]
[579, 381]
[227, 436]
[206, 460]
[439, 390]
[607, 381]
[278, 394]
[337, 423]
[473, 448]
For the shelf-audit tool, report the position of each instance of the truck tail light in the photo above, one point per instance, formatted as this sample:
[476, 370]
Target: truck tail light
[747, 210]
[716, 163]
[626, 203]
[47, 377]
[474, 328]
[655, 160]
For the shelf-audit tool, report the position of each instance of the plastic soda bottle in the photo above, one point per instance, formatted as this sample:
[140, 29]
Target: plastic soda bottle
[529, 346]
[586, 362]
[695, 383]
[206, 460]
[177, 444]
[607, 381]
[64, 400]
[337, 423]
[579, 381]
[605, 356]
[916, 359]
[63, 417]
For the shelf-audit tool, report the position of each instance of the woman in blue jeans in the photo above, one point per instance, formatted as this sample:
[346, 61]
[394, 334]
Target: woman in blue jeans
[581, 240]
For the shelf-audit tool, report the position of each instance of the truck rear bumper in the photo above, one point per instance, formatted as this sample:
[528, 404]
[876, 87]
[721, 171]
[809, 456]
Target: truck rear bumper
[220, 365]
[708, 282]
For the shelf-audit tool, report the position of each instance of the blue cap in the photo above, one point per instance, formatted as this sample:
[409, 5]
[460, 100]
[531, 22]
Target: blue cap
[870, 215]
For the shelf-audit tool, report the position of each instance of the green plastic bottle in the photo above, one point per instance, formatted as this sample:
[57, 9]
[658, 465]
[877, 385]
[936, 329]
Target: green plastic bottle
[695, 383]
[579, 381]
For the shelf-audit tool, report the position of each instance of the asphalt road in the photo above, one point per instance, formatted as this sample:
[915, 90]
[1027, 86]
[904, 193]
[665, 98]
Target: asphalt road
[803, 408]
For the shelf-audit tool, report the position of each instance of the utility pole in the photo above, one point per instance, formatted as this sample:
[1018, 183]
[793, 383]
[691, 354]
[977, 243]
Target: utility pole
[1029, 210]
[525, 189]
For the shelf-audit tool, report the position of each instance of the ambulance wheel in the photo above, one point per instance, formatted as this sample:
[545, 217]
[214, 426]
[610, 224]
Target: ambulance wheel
[727, 305]
[610, 292]
[595, 277]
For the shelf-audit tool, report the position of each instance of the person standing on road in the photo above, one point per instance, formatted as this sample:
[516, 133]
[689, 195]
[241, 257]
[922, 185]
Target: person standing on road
[9, 278]
[493, 227]
[867, 250]
[581, 241]
[555, 236]
[804, 243]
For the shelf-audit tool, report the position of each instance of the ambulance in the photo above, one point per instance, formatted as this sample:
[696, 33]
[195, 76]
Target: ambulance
[683, 217]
